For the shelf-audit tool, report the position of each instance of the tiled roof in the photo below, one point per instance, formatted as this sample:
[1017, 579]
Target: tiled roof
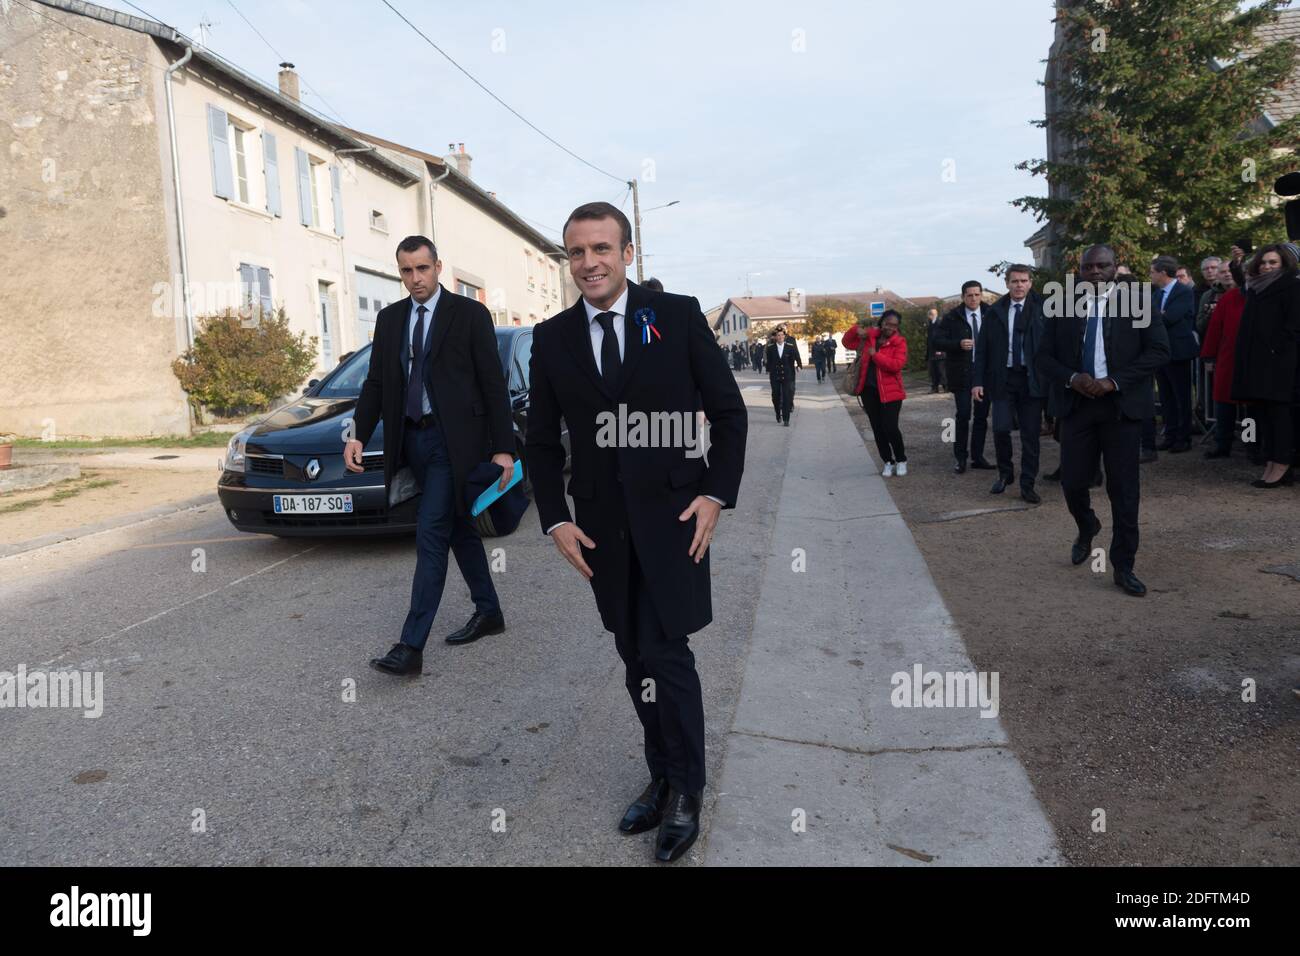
[891, 299]
[1286, 103]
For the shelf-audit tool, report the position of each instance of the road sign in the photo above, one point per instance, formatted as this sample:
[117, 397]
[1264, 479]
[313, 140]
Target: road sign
[877, 309]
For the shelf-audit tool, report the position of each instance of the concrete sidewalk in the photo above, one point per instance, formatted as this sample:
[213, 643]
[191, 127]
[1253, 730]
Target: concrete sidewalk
[815, 730]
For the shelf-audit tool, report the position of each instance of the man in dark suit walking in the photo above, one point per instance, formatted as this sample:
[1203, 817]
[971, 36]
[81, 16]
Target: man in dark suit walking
[1004, 375]
[435, 381]
[957, 337]
[1174, 305]
[1100, 363]
[782, 360]
[646, 509]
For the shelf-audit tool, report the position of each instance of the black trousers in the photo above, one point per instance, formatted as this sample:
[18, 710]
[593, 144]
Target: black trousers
[783, 398]
[966, 409]
[821, 369]
[884, 425]
[664, 687]
[1028, 413]
[1275, 431]
[1175, 380]
[1095, 431]
[938, 372]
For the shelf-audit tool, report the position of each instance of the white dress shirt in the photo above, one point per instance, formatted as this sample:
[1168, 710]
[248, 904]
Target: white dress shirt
[619, 308]
[1011, 330]
[411, 319]
[1099, 350]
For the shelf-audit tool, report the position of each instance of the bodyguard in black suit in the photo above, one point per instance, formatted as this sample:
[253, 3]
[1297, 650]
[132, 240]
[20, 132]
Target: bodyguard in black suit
[1174, 306]
[958, 338]
[1100, 364]
[782, 360]
[435, 378]
[645, 515]
[1005, 377]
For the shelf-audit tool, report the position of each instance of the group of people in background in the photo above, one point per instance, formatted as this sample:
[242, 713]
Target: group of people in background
[1222, 353]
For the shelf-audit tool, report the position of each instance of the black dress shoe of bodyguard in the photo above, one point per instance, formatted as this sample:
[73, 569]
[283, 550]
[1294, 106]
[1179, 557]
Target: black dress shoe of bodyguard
[1130, 583]
[1031, 496]
[647, 810]
[403, 660]
[478, 626]
[999, 486]
[1082, 546]
[959, 468]
[680, 827]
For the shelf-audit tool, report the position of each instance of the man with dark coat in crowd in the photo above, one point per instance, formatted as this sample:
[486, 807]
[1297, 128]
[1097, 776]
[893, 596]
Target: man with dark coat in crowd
[782, 360]
[957, 338]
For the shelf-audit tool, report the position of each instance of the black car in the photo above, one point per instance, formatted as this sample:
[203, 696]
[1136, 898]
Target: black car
[285, 475]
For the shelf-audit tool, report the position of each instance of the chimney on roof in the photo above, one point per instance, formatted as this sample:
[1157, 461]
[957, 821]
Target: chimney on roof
[289, 81]
[796, 300]
[456, 156]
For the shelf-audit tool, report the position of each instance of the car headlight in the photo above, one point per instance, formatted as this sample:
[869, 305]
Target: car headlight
[235, 451]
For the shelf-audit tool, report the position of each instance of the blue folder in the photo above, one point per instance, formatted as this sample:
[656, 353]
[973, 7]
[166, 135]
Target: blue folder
[484, 501]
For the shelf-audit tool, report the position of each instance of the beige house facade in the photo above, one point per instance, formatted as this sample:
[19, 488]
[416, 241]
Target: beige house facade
[148, 183]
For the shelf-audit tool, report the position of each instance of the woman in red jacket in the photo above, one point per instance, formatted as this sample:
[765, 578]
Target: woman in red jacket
[1219, 352]
[880, 385]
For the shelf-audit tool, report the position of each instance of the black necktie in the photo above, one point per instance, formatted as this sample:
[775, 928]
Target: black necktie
[415, 383]
[1017, 340]
[611, 363]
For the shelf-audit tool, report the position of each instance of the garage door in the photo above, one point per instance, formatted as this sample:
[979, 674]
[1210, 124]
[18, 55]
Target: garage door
[373, 293]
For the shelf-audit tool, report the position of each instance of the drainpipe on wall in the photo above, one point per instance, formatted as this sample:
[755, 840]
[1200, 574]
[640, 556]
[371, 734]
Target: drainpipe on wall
[180, 205]
[446, 171]
[180, 214]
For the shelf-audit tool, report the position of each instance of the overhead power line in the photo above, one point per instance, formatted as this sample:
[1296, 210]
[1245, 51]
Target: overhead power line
[510, 108]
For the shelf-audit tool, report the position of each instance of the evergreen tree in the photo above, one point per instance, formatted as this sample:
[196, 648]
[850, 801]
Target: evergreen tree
[1161, 101]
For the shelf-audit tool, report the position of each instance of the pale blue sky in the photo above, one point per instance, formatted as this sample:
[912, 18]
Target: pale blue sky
[820, 169]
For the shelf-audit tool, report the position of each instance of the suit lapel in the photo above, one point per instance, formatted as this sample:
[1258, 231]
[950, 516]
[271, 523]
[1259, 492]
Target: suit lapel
[633, 348]
[443, 315]
[404, 338]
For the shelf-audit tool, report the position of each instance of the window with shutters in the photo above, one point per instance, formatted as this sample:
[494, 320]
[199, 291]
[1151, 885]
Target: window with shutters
[255, 286]
[241, 163]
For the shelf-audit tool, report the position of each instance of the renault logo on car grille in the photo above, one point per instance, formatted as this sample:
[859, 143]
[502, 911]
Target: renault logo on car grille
[313, 470]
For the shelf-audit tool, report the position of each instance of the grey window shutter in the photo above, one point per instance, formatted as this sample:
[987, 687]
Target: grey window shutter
[338, 201]
[264, 289]
[303, 168]
[247, 284]
[223, 180]
[271, 164]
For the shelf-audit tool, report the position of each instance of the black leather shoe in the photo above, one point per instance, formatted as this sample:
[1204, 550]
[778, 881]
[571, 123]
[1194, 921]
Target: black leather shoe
[402, 660]
[1053, 475]
[981, 464]
[1130, 583]
[1082, 546]
[1147, 455]
[480, 625]
[999, 486]
[786, 422]
[1031, 496]
[647, 810]
[680, 827]
[959, 468]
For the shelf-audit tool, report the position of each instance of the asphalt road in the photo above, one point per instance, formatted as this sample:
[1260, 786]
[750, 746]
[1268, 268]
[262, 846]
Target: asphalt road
[224, 693]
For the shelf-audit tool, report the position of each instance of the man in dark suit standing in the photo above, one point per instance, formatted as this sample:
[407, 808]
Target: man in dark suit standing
[957, 337]
[646, 509]
[938, 374]
[1005, 376]
[1101, 363]
[1174, 305]
[435, 380]
[782, 360]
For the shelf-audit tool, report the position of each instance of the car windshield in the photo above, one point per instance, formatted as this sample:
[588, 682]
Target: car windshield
[345, 381]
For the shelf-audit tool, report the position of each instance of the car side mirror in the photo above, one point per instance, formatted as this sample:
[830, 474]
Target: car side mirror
[310, 385]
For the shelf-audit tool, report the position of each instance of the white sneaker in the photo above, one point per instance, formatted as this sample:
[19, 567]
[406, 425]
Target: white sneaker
[901, 468]
[889, 470]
